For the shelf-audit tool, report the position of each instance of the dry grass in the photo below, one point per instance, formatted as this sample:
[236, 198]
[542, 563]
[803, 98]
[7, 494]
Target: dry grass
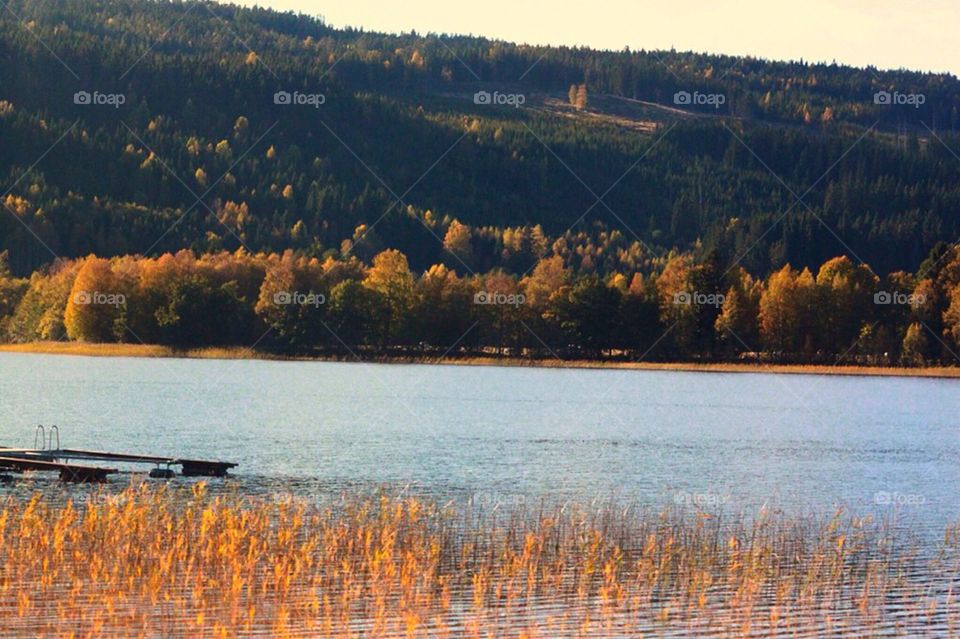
[167, 562]
[745, 367]
[131, 350]
[143, 350]
[92, 350]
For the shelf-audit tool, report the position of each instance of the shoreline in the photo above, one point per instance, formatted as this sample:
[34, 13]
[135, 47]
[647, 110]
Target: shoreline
[144, 350]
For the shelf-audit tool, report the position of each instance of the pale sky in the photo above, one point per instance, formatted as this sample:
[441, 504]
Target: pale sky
[916, 34]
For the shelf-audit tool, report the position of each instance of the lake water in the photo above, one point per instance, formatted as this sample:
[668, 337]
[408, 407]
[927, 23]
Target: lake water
[730, 443]
[734, 441]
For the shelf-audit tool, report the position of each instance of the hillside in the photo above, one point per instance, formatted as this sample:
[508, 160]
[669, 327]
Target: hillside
[189, 149]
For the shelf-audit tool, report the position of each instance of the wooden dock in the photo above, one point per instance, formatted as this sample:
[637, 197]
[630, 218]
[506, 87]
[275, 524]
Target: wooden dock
[49, 458]
[68, 472]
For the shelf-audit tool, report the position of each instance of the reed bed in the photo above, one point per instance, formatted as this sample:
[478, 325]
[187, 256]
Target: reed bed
[169, 562]
[91, 349]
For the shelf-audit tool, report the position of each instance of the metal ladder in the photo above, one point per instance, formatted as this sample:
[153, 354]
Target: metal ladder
[44, 441]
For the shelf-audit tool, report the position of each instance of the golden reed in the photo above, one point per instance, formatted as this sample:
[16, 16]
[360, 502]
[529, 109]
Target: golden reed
[157, 561]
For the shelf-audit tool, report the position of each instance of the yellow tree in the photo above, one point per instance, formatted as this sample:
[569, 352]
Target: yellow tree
[276, 291]
[951, 317]
[787, 309]
[336, 271]
[39, 314]
[95, 303]
[737, 323]
[500, 306]
[675, 290]
[291, 300]
[11, 292]
[577, 96]
[581, 97]
[915, 346]
[444, 308]
[391, 279]
[158, 279]
[846, 295]
[548, 276]
[457, 241]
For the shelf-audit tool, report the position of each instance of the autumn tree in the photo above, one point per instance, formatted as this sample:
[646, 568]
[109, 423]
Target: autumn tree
[391, 279]
[12, 290]
[548, 276]
[156, 281]
[846, 302]
[499, 307]
[737, 324]
[675, 290]
[95, 304]
[788, 311]
[40, 313]
[547, 279]
[577, 96]
[443, 309]
[291, 302]
[951, 316]
[458, 243]
[339, 270]
[184, 302]
[916, 344]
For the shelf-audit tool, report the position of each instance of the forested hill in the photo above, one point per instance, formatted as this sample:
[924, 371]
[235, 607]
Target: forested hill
[136, 127]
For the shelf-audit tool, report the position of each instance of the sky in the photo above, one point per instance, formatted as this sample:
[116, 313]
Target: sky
[915, 34]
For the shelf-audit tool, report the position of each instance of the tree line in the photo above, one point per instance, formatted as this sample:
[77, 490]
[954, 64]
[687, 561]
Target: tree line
[688, 310]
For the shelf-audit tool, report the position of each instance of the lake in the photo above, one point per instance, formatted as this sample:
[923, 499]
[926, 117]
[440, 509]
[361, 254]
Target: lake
[731, 441]
[794, 447]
